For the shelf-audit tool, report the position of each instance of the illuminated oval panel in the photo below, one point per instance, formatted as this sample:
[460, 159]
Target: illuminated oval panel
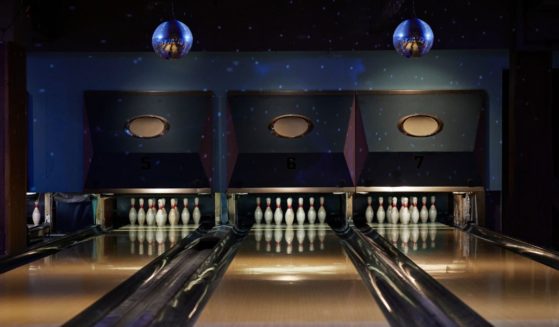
[420, 125]
[291, 126]
[147, 126]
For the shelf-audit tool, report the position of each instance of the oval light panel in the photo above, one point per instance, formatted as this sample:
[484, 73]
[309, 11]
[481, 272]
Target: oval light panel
[147, 126]
[420, 125]
[291, 126]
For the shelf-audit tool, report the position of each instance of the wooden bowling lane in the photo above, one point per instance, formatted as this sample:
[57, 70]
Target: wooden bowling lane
[52, 290]
[295, 276]
[504, 287]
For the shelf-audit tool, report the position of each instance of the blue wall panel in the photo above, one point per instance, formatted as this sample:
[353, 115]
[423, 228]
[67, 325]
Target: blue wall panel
[56, 82]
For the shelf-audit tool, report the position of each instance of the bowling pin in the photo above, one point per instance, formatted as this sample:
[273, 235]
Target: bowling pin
[424, 213]
[132, 215]
[159, 216]
[300, 213]
[321, 211]
[395, 215]
[36, 216]
[173, 219]
[150, 216]
[401, 207]
[268, 214]
[289, 214]
[369, 210]
[312, 212]
[389, 210]
[141, 213]
[164, 210]
[380, 210]
[405, 212]
[433, 210]
[258, 212]
[278, 214]
[414, 210]
[185, 215]
[196, 214]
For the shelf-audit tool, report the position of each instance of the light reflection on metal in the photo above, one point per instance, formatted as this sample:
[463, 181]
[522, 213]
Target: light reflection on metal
[420, 125]
[147, 126]
[291, 126]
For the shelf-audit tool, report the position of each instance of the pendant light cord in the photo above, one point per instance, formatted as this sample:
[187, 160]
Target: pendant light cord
[173, 9]
[413, 8]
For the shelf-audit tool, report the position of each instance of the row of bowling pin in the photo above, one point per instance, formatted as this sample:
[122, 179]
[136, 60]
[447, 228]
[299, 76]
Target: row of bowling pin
[290, 215]
[160, 216]
[405, 214]
[279, 234]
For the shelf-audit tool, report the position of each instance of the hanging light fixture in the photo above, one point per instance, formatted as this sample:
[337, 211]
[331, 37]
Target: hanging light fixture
[172, 39]
[413, 37]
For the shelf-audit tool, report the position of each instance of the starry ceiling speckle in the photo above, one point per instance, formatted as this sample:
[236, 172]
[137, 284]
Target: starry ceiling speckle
[281, 25]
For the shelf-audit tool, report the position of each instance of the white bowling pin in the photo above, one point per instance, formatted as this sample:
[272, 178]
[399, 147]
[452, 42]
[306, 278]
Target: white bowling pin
[395, 215]
[258, 212]
[132, 215]
[380, 210]
[173, 218]
[185, 215]
[159, 216]
[150, 216]
[278, 214]
[401, 207]
[321, 211]
[369, 210]
[312, 213]
[405, 212]
[389, 210]
[141, 213]
[414, 210]
[164, 210]
[424, 213]
[433, 210]
[300, 213]
[36, 216]
[268, 214]
[289, 214]
[196, 214]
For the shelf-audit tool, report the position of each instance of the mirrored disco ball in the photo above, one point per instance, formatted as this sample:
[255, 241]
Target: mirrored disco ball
[172, 39]
[413, 38]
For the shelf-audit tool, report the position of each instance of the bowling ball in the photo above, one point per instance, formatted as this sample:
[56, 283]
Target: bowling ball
[172, 39]
[413, 38]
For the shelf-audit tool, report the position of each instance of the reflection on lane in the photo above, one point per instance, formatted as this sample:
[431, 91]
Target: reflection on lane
[504, 287]
[296, 275]
[52, 290]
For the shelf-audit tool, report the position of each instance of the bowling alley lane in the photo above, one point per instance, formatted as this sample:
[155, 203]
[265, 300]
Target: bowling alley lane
[502, 286]
[297, 275]
[52, 290]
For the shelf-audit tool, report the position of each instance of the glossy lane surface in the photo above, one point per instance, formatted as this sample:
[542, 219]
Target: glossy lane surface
[291, 276]
[52, 290]
[504, 287]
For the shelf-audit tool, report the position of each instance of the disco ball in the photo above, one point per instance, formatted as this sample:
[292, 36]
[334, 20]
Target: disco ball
[172, 39]
[413, 38]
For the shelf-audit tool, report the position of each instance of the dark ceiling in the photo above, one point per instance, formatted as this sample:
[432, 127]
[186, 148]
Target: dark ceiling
[263, 25]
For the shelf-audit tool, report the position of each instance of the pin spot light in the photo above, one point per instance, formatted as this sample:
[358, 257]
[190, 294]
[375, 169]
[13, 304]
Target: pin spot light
[413, 38]
[147, 126]
[172, 39]
[420, 125]
[290, 126]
